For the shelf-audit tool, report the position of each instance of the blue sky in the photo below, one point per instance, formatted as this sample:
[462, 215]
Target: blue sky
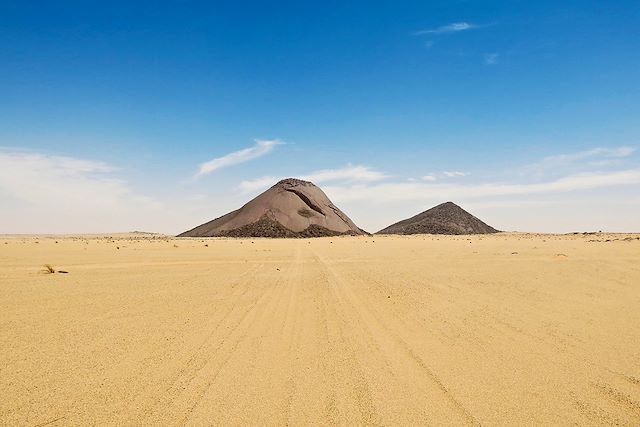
[526, 113]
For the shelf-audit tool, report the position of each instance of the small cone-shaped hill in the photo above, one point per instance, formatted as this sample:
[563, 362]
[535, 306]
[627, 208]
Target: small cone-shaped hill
[447, 218]
[291, 208]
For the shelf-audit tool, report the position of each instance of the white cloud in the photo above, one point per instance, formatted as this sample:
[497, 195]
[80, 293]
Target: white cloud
[40, 192]
[581, 160]
[391, 192]
[453, 174]
[253, 185]
[261, 148]
[434, 176]
[57, 194]
[450, 28]
[595, 152]
[491, 58]
[350, 174]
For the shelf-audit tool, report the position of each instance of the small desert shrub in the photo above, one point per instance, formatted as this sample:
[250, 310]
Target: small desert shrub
[48, 268]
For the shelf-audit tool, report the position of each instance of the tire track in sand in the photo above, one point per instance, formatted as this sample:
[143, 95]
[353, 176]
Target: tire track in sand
[208, 350]
[261, 340]
[392, 345]
[262, 306]
[349, 398]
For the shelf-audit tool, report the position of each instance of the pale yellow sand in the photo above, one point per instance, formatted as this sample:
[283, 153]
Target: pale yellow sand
[494, 330]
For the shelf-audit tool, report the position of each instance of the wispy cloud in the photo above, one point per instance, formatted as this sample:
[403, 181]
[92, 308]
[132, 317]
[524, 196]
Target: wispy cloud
[434, 176]
[261, 148]
[407, 191]
[595, 157]
[454, 174]
[595, 152]
[350, 174]
[490, 58]
[262, 183]
[33, 177]
[44, 192]
[48, 193]
[449, 28]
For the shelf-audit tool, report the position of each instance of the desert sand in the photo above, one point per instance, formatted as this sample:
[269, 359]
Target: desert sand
[504, 329]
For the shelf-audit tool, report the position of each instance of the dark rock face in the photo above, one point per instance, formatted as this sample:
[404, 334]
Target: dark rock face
[291, 208]
[447, 218]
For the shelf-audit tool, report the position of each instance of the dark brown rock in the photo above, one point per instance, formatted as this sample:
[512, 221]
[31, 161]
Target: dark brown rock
[447, 218]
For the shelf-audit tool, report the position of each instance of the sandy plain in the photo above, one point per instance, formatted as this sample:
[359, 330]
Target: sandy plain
[508, 329]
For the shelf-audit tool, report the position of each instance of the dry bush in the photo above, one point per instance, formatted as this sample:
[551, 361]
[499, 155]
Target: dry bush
[48, 268]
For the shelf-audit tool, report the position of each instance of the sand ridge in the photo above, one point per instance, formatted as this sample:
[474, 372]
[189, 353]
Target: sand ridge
[513, 329]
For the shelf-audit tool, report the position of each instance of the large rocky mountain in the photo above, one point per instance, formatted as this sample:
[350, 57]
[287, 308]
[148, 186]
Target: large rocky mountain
[291, 208]
[446, 218]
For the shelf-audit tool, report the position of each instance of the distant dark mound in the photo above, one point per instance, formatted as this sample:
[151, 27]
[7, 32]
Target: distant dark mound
[447, 218]
[291, 208]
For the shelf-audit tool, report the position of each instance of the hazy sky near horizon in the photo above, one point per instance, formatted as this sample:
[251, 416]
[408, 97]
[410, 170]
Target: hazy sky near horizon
[120, 116]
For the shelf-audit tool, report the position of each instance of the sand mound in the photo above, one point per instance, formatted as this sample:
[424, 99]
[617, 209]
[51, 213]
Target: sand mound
[291, 208]
[446, 218]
